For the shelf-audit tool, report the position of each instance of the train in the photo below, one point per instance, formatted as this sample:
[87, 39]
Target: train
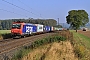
[22, 29]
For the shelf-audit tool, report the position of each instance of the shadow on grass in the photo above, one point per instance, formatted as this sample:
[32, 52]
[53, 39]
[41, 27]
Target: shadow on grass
[6, 36]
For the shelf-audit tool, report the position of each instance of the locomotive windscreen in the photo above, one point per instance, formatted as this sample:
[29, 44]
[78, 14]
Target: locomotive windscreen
[18, 26]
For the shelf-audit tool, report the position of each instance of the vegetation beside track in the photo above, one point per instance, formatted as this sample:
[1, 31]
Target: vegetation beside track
[4, 31]
[81, 44]
[26, 49]
[4, 34]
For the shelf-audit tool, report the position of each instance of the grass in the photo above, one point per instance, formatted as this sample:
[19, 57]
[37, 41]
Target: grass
[4, 31]
[19, 54]
[81, 45]
[36, 44]
[82, 38]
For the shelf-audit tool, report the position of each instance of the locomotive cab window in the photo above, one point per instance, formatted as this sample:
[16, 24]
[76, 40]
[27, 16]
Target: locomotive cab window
[18, 26]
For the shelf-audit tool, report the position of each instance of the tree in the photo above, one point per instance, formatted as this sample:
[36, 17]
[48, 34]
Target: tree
[59, 26]
[7, 24]
[77, 18]
[0, 25]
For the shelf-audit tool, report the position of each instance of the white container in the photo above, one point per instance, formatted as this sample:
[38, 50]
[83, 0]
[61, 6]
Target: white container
[39, 27]
[56, 28]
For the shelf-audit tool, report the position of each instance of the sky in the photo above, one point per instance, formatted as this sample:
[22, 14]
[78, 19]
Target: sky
[41, 9]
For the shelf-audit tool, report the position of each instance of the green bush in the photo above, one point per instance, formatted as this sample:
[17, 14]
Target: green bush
[18, 55]
[5, 36]
[47, 40]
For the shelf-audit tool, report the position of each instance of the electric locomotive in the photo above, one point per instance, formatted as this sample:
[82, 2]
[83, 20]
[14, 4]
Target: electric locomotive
[22, 29]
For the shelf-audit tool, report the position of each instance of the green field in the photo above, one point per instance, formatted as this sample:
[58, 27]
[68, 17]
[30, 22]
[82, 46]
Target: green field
[84, 40]
[4, 31]
[82, 44]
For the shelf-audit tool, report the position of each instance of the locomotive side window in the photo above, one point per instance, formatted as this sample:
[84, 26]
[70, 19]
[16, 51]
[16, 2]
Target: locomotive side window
[18, 26]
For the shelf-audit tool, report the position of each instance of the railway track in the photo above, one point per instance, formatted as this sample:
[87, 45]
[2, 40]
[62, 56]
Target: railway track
[9, 45]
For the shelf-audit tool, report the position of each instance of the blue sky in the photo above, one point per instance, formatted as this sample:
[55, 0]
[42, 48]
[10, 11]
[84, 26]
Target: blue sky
[44, 9]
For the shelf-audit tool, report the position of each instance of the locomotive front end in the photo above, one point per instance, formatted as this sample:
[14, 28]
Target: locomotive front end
[16, 30]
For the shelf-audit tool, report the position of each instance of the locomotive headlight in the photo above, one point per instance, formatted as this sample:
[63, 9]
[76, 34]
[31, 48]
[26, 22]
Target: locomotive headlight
[11, 31]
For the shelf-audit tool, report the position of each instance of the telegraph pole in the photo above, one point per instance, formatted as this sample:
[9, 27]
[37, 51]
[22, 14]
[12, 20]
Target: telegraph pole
[58, 21]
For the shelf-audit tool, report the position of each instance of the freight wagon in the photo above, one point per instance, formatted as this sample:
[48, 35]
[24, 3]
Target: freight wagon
[47, 29]
[60, 29]
[39, 27]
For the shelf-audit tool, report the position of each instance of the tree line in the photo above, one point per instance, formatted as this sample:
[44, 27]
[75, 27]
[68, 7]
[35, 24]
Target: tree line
[7, 24]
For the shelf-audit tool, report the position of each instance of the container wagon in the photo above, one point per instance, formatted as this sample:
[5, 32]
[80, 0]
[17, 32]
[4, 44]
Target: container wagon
[47, 29]
[39, 28]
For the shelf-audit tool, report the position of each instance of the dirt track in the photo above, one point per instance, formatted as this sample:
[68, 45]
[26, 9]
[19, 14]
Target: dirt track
[86, 33]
